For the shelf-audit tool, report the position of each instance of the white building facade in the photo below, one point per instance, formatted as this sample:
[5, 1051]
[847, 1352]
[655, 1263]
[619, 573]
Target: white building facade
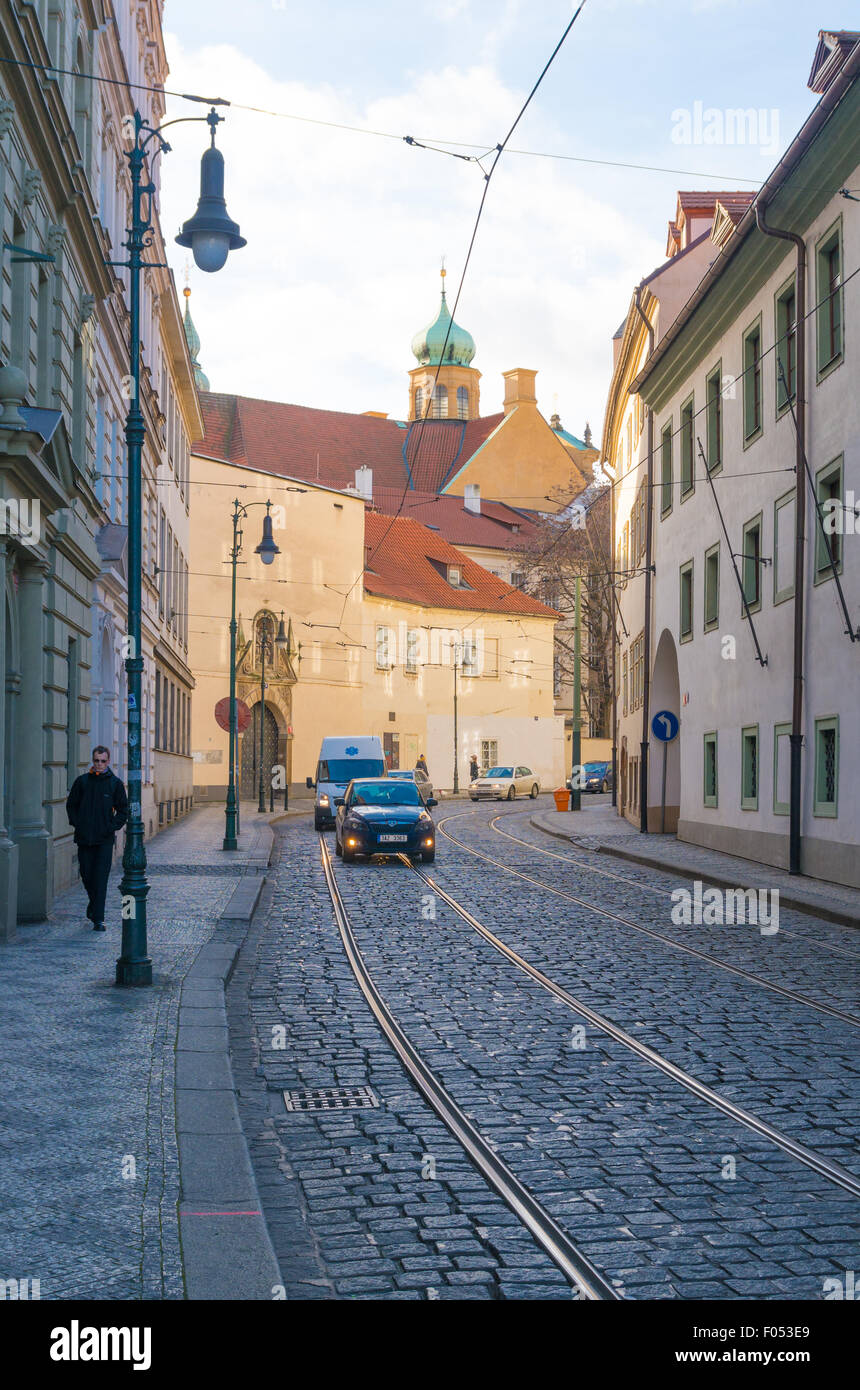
[744, 655]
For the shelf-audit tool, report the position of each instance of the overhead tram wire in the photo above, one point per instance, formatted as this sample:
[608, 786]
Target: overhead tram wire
[500, 149]
[434, 144]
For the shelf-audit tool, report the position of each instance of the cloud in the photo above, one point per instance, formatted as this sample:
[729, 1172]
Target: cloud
[345, 234]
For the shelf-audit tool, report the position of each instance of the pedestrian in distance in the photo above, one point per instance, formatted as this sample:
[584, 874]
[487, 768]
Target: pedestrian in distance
[422, 764]
[97, 807]
[474, 772]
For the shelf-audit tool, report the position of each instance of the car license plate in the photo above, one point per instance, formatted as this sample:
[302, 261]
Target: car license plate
[393, 839]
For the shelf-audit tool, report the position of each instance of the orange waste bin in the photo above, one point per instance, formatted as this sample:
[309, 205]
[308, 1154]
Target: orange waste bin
[562, 799]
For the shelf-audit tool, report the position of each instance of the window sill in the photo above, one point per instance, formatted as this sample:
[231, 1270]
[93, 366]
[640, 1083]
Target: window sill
[690, 492]
[823, 575]
[749, 805]
[685, 637]
[829, 367]
[826, 812]
[750, 439]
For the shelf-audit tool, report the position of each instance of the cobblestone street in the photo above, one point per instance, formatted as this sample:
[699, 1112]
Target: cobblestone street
[664, 1193]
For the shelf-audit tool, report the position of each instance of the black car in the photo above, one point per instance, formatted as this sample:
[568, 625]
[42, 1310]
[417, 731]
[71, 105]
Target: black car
[382, 815]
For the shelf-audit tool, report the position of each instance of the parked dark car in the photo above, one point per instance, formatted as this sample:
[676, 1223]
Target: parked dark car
[598, 777]
[384, 815]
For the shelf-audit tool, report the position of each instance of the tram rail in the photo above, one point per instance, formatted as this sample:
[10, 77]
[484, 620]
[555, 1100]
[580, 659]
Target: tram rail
[818, 1163]
[582, 1274]
[797, 998]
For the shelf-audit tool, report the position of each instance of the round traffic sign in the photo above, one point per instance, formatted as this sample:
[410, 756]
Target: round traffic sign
[222, 715]
[665, 726]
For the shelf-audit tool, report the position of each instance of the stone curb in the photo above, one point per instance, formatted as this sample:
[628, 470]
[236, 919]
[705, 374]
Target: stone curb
[226, 1250]
[840, 916]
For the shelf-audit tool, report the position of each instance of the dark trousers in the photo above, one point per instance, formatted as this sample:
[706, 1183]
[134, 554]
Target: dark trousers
[94, 862]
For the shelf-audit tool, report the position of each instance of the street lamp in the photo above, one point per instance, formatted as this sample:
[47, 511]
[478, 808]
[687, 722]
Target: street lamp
[134, 966]
[267, 550]
[267, 640]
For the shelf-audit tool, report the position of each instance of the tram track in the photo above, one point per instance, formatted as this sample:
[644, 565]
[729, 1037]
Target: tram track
[590, 1283]
[797, 998]
[645, 887]
[818, 1163]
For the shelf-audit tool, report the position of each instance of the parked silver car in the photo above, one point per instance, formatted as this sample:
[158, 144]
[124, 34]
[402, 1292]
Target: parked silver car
[414, 774]
[504, 783]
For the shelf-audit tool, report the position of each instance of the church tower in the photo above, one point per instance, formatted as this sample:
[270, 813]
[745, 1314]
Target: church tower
[457, 394]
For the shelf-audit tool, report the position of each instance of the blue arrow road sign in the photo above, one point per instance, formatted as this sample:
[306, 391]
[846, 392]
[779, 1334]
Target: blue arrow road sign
[665, 726]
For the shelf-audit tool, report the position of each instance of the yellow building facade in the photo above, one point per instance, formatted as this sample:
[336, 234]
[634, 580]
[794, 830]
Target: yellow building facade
[377, 624]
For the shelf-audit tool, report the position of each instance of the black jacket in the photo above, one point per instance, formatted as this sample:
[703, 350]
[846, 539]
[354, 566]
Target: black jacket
[97, 807]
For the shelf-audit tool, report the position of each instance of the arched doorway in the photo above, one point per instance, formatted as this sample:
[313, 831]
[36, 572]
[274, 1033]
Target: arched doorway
[665, 694]
[251, 753]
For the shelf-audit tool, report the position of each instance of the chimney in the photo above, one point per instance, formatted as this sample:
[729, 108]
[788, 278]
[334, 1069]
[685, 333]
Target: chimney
[588, 443]
[519, 388]
[472, 498]
[555, 423]
[364, 483]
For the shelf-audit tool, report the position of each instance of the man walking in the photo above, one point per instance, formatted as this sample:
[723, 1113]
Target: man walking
[422, 764]
[474, 771]
[97, 807]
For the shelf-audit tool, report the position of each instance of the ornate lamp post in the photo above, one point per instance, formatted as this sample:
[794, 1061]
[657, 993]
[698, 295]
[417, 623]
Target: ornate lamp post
[267, 550]
[268, 643]
[211, 235]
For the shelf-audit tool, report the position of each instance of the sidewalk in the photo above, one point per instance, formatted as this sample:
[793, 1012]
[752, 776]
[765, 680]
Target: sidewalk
[597, 827]
[90, 1180]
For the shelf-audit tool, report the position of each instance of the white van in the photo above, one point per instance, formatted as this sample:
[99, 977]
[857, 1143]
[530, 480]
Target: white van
[340, 760]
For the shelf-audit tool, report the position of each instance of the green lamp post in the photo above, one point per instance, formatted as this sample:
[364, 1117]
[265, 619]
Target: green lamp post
[211, 235]
[267, 550]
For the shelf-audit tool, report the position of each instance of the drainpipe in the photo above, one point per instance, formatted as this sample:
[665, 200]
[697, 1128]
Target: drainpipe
[646, 659]
[796, 736]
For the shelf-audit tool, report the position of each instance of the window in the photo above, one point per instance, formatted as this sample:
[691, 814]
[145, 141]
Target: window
[688, 465]
[462, 402]
[489, 752]
[412, 638]
[419, 402]
[624, 683]
[383, 652]
[517, 579]
[709, 786]
[749, 768]
[786, 347]
[455, 576]
[829, 299]
[712, 587]
[686, 619]
[491, 657]
[752, 383]
[157, 708]
[828, 546]
[666, 469]
[783, 547]
[469, 656]
[172, 734]
[715, 418]
[751, 563]
[440, 403]
[625, 552]
[826, 766]
[781, 769]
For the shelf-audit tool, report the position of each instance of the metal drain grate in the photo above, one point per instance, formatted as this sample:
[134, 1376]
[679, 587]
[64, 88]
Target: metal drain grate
[332, 1098]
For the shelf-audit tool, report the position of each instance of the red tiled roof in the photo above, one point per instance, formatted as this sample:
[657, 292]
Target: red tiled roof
[327, 446]
[735, 204]
[708, 199]
[493, 527]
[399, 555]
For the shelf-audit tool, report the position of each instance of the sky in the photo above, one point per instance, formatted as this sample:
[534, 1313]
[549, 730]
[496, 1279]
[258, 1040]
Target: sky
[346, 231]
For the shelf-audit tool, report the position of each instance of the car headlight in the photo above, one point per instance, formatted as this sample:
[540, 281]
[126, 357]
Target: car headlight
[324, 801]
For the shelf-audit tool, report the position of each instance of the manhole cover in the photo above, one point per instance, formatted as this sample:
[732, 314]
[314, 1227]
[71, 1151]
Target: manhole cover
[332, 1098]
